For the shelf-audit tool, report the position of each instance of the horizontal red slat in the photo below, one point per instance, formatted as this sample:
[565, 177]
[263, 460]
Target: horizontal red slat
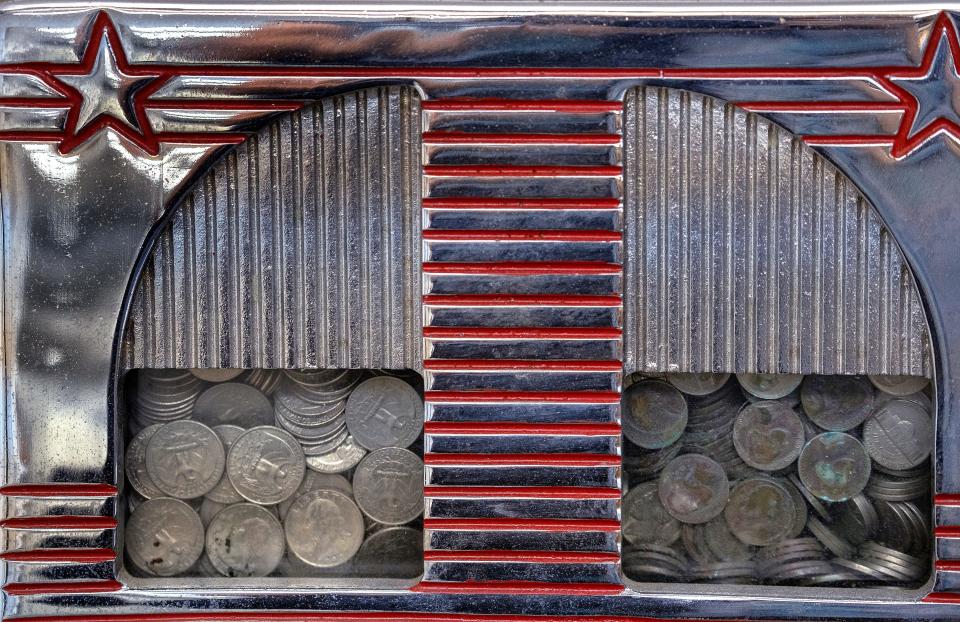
[821, 106]
[507, 170]
[520, 588]
[533, 557]
[523, 268]
[847, 140]
[946, 598]
[59, 522]
[552, 525]
[509, 428]
[535, 397]
[521, 492]
[58, 490]
[948, 565]
[520, 204]
[522, 105]
[62, 587]
[947, 499]
[79, 556]
[34, 102]
[521, 235]
[947, 531]
[512, 365]
[476, 138]
[572, 333]
[520, 300]
[545, 460]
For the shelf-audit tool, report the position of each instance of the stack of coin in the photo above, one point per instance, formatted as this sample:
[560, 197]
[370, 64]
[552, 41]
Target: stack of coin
[227, 482]
[777, 479]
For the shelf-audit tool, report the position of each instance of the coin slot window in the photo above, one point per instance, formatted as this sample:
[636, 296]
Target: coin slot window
[778, 479]
[236, 473]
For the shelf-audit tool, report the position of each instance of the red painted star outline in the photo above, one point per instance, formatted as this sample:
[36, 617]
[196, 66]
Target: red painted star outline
[903, 143]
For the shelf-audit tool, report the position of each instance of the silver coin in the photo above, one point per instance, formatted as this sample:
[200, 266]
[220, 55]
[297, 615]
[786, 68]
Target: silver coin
[185, 459]
[768, 435]
[209, 508]
[316, 481]
[266, 465]
[645, 521]
[136, 463]
[164, 395]
[224, 492]
[770, 386]
[693, 488]
[834, 466]
[837, 403]
[388, 486]
[264, 380]
[245, 540]
[384, 412]
[393, 552]
[899, 385]
[899, 435]
[698, 384]
[233, 403]
[724, 544]
[323, 528]
[760, 511]
[216, 375]
[164, 537]
[343, 458]
[654, 414]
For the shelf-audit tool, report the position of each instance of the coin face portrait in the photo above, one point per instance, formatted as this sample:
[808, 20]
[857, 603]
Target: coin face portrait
[645, 520]
[388, 485]
[837, 403]
[341, 458]
[265, 465]
[244, 540]
[233, 403]
[384, 412]
[834, 466]
[760, 511]
[323, 528]
[164, 537]
[654, 414]
[693, 488]
[768, 435]
[899, 435]
[185, 459]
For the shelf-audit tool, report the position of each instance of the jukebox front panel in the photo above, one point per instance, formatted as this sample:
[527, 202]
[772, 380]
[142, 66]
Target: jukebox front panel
[658, 302]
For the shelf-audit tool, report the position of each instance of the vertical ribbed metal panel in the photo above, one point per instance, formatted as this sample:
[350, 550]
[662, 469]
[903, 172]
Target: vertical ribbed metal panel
[745, 251]
[298, 249]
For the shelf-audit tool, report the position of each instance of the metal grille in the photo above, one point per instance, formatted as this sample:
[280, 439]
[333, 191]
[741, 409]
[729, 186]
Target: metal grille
[745, 251]
[299, 249]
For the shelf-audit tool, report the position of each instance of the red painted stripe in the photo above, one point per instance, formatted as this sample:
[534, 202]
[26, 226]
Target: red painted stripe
[339, 616]
[521, 105]
[567, 333]
[544, 397]
[505, 170]
[944, 598]
[521, 235]
[62, 587]
[512, 365]
[60, 522]
[80, 556]
[483, 428]
[947, 499]
[521, 492]
[34, 102]
[947, 531]
[847, 140]
[533, 557]
[471, 138]
[820, 106]
[482, 203]
[520, 300]
[543, 460]
[222, 104]
[520, 588]
[30, 136]
[948, 565]
[552, 525]
[58, 490]
[523, 268]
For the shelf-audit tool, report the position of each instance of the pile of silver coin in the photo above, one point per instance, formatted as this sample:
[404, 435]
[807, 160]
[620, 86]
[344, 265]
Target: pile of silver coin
[253, 473]
[777, 479]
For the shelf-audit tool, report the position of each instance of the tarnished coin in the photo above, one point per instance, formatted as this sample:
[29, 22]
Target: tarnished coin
[698, 384]
[393, 552]
[388, 486]
[233, 403]
[384, 412]
[316, 481]
[834, 466]
[837, 403]
[164, 537]
[185, 459]
[645, 521]
[136, 463]
[654, 414]
[245, 540]
[760, 511]
[799, 522]
[769, 386]
[899, 385]
[224, 492]
[722, 542]
[693, 488]
[344, 457]
[323, 528]
[768, 435]
[216, 375]
[899, 435]
[265, 465]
